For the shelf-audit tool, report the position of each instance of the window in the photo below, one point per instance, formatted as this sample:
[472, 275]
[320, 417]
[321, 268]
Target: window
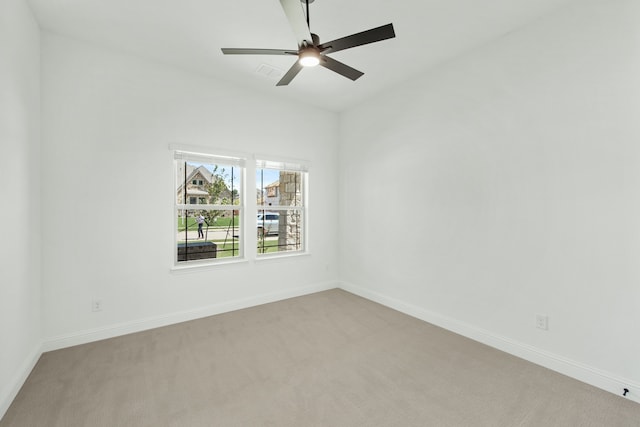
[281, 202]
[213, 230]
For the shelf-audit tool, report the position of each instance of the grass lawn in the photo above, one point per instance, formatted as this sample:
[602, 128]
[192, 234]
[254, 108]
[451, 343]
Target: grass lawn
[220, 222]
[268, 246]
[226, 250]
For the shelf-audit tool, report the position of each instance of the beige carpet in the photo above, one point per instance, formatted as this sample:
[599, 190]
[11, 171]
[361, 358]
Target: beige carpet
[328, 359]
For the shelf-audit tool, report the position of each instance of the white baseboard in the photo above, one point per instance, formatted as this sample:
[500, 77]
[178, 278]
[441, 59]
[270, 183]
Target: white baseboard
[581, 372]
[11, 389]
[573, 369]
[97, 334]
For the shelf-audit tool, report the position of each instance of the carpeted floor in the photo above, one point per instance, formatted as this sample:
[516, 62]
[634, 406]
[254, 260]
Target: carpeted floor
[327, 359]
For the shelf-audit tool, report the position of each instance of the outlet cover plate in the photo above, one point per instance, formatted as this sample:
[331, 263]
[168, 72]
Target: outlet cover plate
[542, 322]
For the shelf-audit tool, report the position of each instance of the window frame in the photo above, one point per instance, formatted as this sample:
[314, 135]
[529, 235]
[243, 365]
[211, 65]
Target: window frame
[181, 155]
[285, 166]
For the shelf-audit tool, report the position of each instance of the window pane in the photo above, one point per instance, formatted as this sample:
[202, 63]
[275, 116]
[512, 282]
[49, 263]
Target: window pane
[207, 233]
[278, 187]
[279, 231]
[207, 183]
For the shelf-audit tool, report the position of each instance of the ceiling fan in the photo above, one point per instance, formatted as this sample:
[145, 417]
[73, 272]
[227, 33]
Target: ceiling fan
[310, 51]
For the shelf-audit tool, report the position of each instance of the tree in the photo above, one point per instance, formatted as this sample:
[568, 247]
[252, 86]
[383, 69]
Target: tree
[219, 193]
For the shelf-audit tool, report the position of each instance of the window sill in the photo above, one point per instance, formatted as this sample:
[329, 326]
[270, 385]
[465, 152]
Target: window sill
[178, 269]
[278, 256]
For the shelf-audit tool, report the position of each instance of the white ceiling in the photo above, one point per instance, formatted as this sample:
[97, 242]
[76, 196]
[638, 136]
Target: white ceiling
[190, 33]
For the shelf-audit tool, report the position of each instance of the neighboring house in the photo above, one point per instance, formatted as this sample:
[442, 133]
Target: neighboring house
[272, 197]
[197, 182]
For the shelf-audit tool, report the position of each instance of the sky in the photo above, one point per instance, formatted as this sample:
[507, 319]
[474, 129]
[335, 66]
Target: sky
[264, 177]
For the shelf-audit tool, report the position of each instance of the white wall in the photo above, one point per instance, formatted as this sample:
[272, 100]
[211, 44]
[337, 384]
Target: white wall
[20, 192]
[514, 170]
[108, 191]
[507, 183]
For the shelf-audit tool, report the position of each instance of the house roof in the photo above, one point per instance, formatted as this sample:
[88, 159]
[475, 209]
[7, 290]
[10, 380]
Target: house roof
[204, 172]
[192, 171]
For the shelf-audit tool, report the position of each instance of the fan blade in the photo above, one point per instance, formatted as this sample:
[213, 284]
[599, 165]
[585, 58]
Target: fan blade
[297, 20]
[340, 68]
[359, 39]
[293, 71]
[233, 51]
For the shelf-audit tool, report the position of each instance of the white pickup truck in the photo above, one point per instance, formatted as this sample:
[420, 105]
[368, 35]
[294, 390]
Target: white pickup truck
[268, 223]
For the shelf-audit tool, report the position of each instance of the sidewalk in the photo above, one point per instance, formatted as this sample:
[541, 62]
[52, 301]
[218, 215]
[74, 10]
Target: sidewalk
[215, 234]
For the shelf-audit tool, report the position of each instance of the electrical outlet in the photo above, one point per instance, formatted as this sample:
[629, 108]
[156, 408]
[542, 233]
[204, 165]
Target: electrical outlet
[542, 322]
[96, 305]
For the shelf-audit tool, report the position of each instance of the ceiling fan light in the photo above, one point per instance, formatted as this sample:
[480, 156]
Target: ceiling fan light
[309, 58]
